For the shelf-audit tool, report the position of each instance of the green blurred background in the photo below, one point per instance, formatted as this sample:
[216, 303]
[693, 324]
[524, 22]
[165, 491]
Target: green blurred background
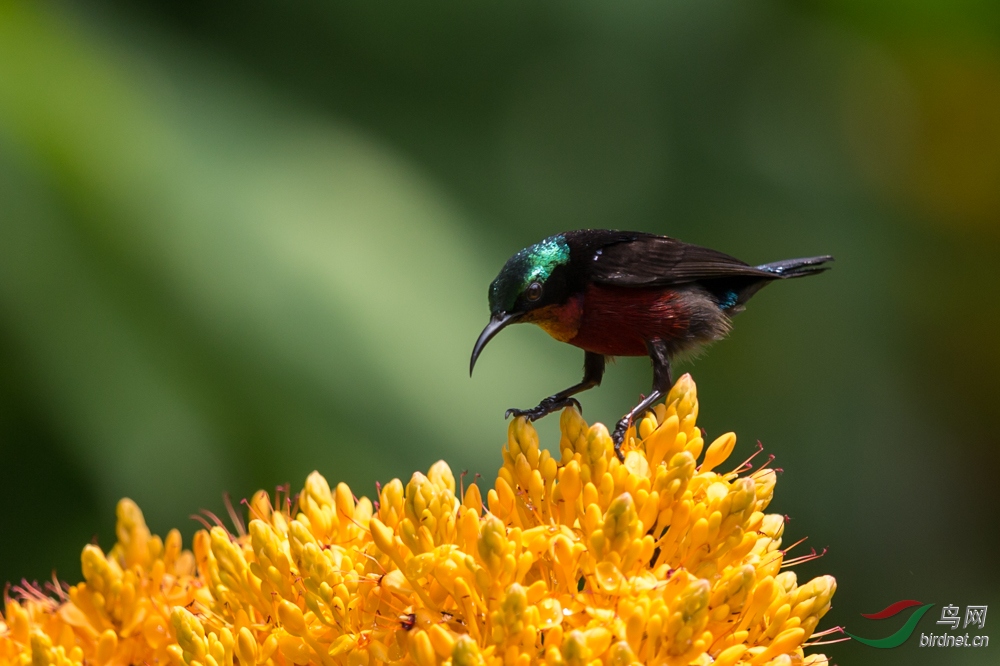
[240, 241]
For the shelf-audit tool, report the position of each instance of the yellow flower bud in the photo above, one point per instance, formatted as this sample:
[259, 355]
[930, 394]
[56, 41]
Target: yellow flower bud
[41, 650]
[765, 480]
[598, 445]
[421, 649]
[294, 649]
[190, 634]
[98, 571]
[598, 640]
[620, 522]
[291, 618]
[155, 630]
[260, 506]
[549, 613]
[383, 538]
[575, 651]
[492, 544]
[569, 481]
[621, 655]
[689, 617]
[465, 652]
[441, 639]
[358, 657]
[473, 498]
[718, 452]
[785, 642]
[344, 501]
[267, 648]
[390, 508]
[512, 608]
[730, 656]
[106, 646]
[246, 647]
[343, 645]
[133, 535]
[647, 425]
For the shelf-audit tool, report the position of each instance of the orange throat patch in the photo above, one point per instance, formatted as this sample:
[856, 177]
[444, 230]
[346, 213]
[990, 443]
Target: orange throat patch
[560, 321]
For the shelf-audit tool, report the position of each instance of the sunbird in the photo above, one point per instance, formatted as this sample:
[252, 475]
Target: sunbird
[626, 293]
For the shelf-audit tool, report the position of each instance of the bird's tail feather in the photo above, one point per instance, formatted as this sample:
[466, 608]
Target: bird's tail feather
[793, 268]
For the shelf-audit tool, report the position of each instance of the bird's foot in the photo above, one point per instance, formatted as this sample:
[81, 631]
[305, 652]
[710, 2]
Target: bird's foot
[547, 406]
[618, 436]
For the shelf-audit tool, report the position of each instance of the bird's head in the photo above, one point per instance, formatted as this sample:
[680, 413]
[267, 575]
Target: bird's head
[534, 278]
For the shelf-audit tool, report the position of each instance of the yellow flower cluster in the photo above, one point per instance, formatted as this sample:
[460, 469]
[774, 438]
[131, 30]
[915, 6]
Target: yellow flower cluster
[576, 562]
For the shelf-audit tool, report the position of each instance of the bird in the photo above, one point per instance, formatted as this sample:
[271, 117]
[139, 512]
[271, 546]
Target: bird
[626, 293]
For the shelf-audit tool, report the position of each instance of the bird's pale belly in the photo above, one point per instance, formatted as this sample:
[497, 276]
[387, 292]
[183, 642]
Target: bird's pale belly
[618, 321]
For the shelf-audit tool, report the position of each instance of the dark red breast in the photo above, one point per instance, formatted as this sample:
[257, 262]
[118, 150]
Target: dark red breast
[617, 321]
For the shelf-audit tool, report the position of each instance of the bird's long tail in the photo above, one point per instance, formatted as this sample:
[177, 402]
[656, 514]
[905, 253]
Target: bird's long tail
[793, 268]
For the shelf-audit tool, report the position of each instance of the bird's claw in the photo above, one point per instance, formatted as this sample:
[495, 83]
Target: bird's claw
[618, 437]
[544, 408]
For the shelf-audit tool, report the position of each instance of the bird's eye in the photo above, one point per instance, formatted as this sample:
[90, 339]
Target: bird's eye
[533, 292]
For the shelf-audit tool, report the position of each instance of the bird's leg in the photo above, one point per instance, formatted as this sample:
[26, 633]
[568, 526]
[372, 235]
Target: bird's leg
[593, 371]
[662, 381]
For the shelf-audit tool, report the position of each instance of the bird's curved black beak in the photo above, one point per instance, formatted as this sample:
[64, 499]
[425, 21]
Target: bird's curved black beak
[497, 323]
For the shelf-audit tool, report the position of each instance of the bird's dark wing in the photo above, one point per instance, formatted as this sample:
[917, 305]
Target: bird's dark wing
[635, 259]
